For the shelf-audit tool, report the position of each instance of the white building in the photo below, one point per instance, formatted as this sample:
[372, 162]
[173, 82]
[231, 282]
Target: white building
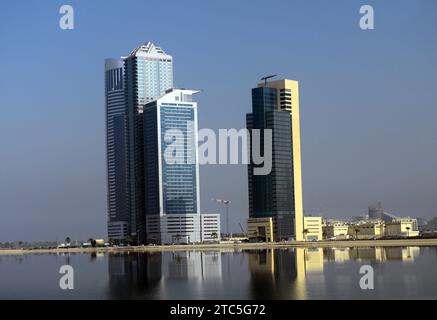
[171, 172]
[183, 228]
[210, 227]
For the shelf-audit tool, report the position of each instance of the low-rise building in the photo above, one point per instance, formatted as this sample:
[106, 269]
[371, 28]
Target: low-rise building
[312, 228]
[368, 230]
[260, 229]
[403, 227]
[336, 231]
[183, 228]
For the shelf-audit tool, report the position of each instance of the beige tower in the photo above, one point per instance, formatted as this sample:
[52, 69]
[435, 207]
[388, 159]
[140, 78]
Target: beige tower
[288, 93]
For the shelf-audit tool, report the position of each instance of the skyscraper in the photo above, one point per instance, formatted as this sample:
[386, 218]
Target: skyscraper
[118, 197]
[131, 82]
[275, 107]
[148, 74]
[172, 171]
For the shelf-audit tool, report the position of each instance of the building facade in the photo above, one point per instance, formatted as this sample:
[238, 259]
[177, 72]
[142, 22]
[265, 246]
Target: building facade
[277, 194]
[116, 152]
[171, 171]
[367, 230]
[336, 231]
[148, 74]
[402, 227]
[131, 82]
[260, 229]
[312, 229]
[287, 92]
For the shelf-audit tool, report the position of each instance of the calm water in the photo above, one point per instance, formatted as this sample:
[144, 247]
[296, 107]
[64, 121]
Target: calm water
[259, 274]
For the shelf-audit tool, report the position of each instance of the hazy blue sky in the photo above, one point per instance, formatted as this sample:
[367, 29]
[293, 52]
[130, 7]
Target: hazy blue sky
[368, 101]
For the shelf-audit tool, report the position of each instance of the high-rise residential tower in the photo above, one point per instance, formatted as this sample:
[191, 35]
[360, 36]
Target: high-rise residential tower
[171, 172]
[131, 82]
[277, 195]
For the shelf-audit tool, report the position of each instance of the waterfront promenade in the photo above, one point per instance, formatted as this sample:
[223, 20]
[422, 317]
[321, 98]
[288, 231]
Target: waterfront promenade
[235, 246]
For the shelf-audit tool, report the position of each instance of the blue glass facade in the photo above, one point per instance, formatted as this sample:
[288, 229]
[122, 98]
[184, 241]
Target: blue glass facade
[179, 184]
[171, 178]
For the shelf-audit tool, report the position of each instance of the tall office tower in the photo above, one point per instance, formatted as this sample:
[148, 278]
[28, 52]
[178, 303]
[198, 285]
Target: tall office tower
[148, 73]
[171, 172]
[118, 209]
[277, 195]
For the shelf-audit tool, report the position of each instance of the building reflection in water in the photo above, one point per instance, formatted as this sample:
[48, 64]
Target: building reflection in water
[273, 273]
[288, 274]
[292, 273]
[192, 265]
[375, 254]
[133, 275]
[148, 275]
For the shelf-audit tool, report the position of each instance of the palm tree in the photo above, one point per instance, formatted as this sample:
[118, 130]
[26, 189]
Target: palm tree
[408, 231]
[92, 241]
[67, 240]
[305, 232]
[356, 233]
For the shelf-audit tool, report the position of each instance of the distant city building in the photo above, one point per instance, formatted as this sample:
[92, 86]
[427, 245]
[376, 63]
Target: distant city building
[172, 177]
[359, 218]
[336, 231]
[369, 230]
[421, 222]
[430, 226]
[275, 107]
[131, 82]
[404, 227]
[377, 212]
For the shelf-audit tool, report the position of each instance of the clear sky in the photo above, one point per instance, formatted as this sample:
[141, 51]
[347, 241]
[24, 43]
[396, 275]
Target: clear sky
[368, 101]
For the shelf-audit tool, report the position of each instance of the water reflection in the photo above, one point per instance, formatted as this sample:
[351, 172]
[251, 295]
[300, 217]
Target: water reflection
[407, 254]
[152, 275]
[132, 274]
[291, 273]
[295, 273]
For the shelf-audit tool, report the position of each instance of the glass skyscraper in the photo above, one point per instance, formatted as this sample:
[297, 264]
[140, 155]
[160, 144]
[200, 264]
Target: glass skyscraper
[172, 172]
[277, 195]
[170, 151]
[145, 75]
[117, 203]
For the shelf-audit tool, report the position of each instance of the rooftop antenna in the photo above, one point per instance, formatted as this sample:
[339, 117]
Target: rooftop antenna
[266, 78]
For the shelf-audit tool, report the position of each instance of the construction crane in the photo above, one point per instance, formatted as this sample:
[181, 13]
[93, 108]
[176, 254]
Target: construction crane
[226, 203]
[241, 228]
[266, 78]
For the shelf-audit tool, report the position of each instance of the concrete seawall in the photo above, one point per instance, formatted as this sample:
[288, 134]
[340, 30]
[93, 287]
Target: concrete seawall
[236, 246]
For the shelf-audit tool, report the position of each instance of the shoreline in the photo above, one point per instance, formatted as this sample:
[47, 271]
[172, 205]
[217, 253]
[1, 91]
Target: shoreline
[233, 246]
